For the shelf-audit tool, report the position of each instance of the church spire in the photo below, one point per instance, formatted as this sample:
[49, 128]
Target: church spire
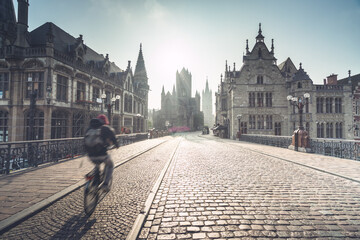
[140, 70]
[260, 37]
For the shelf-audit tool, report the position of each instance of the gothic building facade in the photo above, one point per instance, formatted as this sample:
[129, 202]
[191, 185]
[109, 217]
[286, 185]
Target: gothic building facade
[206, 104]
[179, 111]
[51, 83]
[253, 99]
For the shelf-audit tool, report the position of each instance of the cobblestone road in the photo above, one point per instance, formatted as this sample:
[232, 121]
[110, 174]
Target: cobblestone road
[113, 217]
[215, 190]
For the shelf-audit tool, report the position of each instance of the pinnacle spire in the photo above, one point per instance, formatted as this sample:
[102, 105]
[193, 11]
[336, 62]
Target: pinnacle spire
[260, 37]
[140, 70]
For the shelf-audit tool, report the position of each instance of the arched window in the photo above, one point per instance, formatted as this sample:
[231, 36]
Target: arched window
[38, 126]
[59, 124]
[4, 134]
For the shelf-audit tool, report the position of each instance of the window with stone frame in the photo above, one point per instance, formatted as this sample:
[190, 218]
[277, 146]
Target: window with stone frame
[319, 104]
[278, 128]
[62, 88]
[251, 99]
[260, 99]
[260, 79]
[95, 93]
[339, 130]
[269, 124]
[357, 107]
[260, 121]
[4, 131]
[38, 125]
[80, 91]
[338, 105]
[252, 122]
[243, 127]
[329, 102]
[320, 130]
[59, 124]
[34, 81]
[329, 130]
[268, 99]
[4, 85]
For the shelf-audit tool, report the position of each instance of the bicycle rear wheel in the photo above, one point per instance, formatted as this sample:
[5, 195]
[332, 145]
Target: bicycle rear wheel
[90, 197]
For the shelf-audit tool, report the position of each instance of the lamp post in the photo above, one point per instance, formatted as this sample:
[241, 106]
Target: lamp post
[300, 137]
[32, 109]
[110, 104]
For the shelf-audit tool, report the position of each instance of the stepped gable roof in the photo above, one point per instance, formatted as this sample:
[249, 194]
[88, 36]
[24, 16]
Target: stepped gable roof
[64, 42]
[301, 75]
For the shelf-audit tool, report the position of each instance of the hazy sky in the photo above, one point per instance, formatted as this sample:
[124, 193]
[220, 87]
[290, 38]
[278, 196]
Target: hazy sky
[324, 35]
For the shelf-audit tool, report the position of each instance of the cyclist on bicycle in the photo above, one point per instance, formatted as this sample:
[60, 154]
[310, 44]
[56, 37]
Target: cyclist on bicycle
[102, 136]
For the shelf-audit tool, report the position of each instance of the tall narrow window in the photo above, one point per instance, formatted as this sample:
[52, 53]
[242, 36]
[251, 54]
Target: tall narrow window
[260, 99]
[61, 88]
[268, 99]
[95, 94]
[35, 81]
[4, 85]
[252, 122]
[59, 124]
[278, 128]
[329, 105]
[329, 130]
[319, 105]
[269, 122]
[38, 126]
[260, 119]
[4, 133]
[307, 128]
[338, 105]
[260, 80]
[320, 130]
[338, 130]
[252, 99]
[80, 91]
[243, 127]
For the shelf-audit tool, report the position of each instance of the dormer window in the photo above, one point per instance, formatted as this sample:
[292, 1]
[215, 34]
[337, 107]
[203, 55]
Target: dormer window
[299, 85]
[260, 79]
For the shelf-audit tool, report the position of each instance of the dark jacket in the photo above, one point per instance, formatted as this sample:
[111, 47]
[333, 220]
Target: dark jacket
[107, 133]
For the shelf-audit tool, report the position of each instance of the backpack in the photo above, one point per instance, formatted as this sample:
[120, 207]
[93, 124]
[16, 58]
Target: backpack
[93, 140]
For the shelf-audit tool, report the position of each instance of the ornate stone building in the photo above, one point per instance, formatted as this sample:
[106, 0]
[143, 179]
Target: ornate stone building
[253, 99]
[178, 109]
[51, 83]
[206, 104]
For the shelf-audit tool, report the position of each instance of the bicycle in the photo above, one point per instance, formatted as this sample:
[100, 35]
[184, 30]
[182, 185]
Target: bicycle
[92, 193]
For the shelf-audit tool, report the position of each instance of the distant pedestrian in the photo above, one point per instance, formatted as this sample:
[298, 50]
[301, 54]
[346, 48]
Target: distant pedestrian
[98, 137]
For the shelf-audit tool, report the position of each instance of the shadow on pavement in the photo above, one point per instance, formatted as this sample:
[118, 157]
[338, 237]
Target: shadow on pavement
[75, 227]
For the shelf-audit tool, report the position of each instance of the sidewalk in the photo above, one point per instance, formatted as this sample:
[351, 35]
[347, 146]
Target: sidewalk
[26, 192]
[343, 167]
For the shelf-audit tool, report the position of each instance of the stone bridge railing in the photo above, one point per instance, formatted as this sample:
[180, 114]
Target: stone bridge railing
[349, 149]
[16, 155]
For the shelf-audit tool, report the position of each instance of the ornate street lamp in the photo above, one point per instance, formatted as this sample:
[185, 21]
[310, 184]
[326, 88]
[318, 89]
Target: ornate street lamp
[110, 104]
[300, 137]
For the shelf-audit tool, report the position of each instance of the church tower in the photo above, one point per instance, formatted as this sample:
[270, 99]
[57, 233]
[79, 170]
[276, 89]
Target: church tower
[7, 23]
[141, 82]
[207, 106]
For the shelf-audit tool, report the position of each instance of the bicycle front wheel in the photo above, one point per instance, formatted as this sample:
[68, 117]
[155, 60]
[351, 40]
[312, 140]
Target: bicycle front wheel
[90, 197]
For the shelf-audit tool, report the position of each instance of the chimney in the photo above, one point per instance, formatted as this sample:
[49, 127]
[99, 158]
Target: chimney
[332, 79]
